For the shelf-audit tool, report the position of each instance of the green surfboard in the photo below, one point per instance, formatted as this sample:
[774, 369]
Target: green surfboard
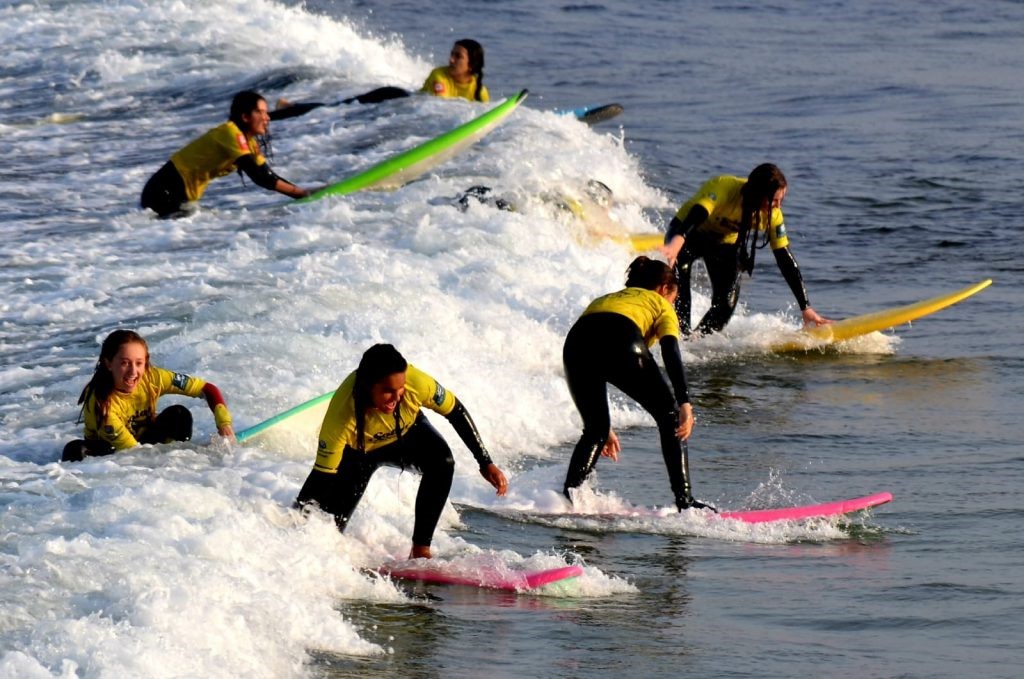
[309, 414]
[408, 165]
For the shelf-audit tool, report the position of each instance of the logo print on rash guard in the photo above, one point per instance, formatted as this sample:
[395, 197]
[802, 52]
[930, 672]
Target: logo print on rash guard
[439, 395]
[180, 380]
[243, 143]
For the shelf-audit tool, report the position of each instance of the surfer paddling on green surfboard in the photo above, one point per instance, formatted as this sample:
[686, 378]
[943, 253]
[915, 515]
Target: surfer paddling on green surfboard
[725, 223]
[236, 145]
[375, 419]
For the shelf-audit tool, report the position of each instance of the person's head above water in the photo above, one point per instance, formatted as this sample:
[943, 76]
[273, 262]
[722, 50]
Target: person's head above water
[124, 359]
[249, 112]
[651, 274]
[466, 61]
[466, 58]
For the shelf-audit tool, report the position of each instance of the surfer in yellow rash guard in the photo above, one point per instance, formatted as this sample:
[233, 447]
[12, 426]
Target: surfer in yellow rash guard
[721, 224]
[119, 402]
[222, 150]
[609, 344]
[463, 76]
[374, 419]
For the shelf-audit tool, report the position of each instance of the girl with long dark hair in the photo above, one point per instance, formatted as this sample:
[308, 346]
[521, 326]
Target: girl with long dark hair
[119, 404]
[375, 419]
[232, 146]
[463, 76]
[725, 223]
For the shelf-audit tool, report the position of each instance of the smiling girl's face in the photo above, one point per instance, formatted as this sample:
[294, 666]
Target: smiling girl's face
[386, 394]
[127, 366]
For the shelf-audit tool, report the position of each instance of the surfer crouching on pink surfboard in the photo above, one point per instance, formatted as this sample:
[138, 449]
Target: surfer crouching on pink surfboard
[374, 419]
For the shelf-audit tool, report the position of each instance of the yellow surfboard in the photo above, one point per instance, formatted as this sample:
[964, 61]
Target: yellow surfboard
[645, 242]
[639, 242]
[848, 328]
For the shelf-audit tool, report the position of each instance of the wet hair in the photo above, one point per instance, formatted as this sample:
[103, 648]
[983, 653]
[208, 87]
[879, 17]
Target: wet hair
[102, 383]
[378, 362]
[764, 182]
[650, 274]
[476, 62]
[244, 103]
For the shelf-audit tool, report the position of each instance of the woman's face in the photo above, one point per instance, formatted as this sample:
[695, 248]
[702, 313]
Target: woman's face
[458, 62]
[258, 120]
[386, 394]
[128, 366]
[669, 292]
[776, 200]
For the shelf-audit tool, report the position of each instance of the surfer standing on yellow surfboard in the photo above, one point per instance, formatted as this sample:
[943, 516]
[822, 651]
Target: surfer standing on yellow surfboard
[725, 223]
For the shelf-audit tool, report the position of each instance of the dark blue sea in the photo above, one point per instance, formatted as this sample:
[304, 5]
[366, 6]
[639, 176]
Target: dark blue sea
[899, 128]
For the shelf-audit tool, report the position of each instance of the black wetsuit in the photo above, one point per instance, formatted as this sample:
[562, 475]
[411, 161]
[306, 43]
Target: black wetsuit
[372, 97]
[418, 447]
[164, 193]
[421, 448]
[722, 264]
[174, 423]
[608, 348]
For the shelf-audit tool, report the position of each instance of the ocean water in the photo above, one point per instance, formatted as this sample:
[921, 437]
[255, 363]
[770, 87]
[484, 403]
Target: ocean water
[899, 129]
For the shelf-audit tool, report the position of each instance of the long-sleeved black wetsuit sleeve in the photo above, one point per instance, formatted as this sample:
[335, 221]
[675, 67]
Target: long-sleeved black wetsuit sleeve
[674, 367]
[466, 429]
[261, 175]
[682, 227]
[295, 110]
[791, 272]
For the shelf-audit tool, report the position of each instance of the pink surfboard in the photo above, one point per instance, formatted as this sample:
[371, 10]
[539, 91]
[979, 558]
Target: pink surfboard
[490, 578]
[809, 511]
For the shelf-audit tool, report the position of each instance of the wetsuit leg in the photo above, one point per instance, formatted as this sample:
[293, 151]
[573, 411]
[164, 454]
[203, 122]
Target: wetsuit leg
[423, 449]
[339, 493]
[646, 385]
[174, 423]
[584, 359]
[378, 95]
[164, 193]
[79, 449]
[725, 288]
[691, 251]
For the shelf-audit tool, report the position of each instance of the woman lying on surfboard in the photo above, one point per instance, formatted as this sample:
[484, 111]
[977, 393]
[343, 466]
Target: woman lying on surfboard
[224, 149]
[463, 77]
[610, 344]
[374, 419]
[722, 224]
[119, 402]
